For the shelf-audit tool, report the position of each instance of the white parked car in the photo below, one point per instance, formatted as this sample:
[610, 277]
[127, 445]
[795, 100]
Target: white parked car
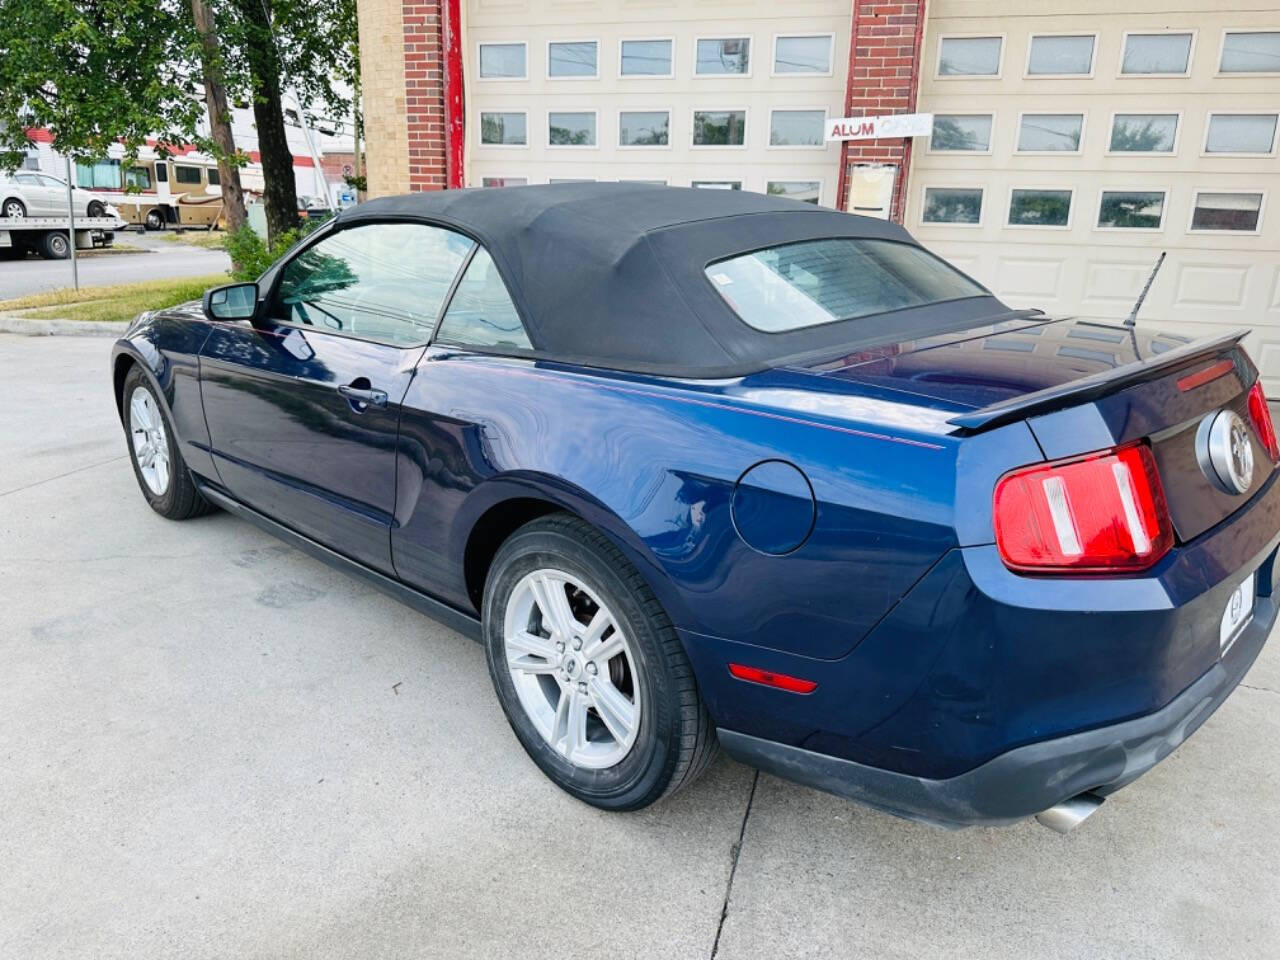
[28, 193]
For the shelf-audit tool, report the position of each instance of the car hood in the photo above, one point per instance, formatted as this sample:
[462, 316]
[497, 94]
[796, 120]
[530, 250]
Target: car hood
[973, 368]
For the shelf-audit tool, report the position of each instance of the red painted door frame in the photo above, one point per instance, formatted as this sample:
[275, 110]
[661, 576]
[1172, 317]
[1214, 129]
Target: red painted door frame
[454, 125]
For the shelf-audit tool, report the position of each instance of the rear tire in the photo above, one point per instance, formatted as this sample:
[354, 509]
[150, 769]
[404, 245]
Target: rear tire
[14, 209]
[162, 475]
[54, 245]
[643, 731]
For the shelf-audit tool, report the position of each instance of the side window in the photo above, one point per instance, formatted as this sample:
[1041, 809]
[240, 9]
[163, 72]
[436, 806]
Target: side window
[481, 313]
[384, 282]
[187, 175]
[215, 178]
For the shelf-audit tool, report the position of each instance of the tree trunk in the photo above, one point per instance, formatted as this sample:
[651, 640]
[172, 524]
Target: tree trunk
[280, 197]
[357, 162]
[215, 95]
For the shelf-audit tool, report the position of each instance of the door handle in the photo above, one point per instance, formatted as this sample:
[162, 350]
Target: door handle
[363, 395]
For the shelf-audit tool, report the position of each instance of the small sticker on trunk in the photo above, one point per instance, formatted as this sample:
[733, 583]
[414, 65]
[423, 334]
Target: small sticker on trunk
[722, 278]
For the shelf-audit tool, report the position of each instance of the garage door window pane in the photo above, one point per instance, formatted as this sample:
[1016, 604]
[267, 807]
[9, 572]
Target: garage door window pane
[481, 312]
[969, 56]
[1156, 53]
[502, 61]
[1043, 132]
[719, 128]
[796, 128]
[1144, 132]
[1254, 52]
[1060, 55]
[961, 134]
[1040, 208]
[728, 55]
[503, 181]
[643, 129]
[803, 190]
[1131, 210]
[718, 184]
[646, 58]
[802, 55]
[506, 129]
[1241, 133]
[571, 129]
[384, 282]
[1227, 211]
[572, 59]
[952, 205]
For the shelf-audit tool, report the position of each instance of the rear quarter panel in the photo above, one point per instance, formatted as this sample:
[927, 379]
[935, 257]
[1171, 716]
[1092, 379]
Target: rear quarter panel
[654, 463]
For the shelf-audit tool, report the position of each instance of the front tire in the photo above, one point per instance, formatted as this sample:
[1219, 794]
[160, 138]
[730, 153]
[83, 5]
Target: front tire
[96, 209]
[589, 670]
[154, 220]
[153, 450]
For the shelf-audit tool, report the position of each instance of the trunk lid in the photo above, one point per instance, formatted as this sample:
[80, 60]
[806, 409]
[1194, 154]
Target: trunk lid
[1081, 387]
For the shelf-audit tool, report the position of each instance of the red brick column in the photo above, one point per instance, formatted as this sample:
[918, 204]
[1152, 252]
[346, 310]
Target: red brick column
[884, 75]
[424, 94]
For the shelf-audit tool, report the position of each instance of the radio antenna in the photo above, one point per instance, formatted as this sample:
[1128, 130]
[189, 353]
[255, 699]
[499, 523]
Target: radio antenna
[1133, 314]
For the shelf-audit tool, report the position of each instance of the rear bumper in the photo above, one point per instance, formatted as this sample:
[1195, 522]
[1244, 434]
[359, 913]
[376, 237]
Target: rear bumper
[1029, 779]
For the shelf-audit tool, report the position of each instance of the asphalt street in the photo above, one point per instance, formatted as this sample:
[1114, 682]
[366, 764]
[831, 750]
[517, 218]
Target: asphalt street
[212, 745]
[165, 259]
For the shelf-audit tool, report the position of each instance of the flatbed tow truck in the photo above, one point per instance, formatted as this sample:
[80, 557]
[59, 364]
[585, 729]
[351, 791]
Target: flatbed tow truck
[51, 236]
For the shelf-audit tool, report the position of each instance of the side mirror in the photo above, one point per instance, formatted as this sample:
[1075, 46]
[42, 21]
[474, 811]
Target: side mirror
[237, 301]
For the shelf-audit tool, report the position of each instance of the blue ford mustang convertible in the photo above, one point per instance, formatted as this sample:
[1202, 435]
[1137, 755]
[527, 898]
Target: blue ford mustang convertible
[705, 467]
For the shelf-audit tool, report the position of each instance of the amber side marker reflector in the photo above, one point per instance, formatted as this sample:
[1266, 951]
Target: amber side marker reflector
[770, 679]
[1201, 377]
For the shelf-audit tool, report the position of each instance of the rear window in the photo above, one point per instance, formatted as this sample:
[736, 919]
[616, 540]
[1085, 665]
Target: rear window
[821, 281]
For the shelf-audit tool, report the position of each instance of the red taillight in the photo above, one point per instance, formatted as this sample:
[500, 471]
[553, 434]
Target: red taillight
[1104, 512]
[1260, 414]
[770, 679]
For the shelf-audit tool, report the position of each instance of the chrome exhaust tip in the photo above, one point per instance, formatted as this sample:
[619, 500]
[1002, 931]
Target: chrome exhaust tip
[1069, 814]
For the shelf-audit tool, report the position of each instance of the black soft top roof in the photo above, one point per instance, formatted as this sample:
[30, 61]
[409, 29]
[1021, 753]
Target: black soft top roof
[611, 275]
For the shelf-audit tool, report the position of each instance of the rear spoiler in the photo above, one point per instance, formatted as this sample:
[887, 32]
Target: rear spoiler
[1091, 387]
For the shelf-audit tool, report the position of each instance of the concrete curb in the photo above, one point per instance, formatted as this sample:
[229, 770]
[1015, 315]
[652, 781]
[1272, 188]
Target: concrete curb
[56, 327]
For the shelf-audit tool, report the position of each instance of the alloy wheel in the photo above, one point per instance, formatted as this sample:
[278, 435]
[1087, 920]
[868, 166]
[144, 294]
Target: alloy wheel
[573, 669]
[13, 209]
[150, 444]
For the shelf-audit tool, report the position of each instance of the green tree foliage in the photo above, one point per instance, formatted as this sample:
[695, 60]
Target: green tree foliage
[95, 72]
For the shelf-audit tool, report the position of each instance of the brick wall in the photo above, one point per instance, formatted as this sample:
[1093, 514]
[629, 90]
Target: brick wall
[424, 94]
[883, 66]
[383, 88]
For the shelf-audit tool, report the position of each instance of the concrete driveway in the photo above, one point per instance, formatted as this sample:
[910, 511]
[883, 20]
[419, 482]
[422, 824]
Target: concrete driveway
[214, 746]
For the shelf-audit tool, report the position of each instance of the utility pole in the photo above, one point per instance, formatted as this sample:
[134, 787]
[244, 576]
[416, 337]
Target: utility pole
[357, 162]
[71, 227]
[215, 94]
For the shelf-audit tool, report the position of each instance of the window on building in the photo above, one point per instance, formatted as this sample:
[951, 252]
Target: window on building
[802, 54]
[969, 56]
[1050, 132]
[652, 183]
[503, 61]
[510, 129]
[645, 58]
[815, 282]
[961, 133]
[1227, 211]
[571, 129]
[719, 128]
[797, 128]
[1131, 210]
[572, 180]
[215, 178]
[1060, 56]
[139, 177]
[1156, 53]
[503, 181]
[383, 282]
[99, 175]
[31, 159]
[806, 191]
[1241, 133]
[717, 184]
[1144, 133]
[720, 56]
[1254, 51]
[952, 205]
[187, 175]
[575, 59]
[644, 128]
[481, 313]
[1040, 208]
